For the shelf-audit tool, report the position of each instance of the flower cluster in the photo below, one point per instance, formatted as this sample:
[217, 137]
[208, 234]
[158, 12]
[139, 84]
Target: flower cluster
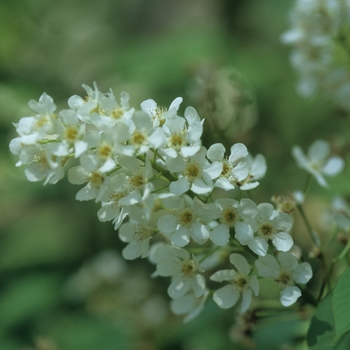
[319, 37]
[165, 194]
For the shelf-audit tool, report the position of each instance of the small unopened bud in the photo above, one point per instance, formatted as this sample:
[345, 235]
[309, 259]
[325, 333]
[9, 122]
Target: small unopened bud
[343, 238]
[285, 203]
[315, 252]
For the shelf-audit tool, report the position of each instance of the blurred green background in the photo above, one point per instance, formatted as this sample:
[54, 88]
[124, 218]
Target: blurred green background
[63, 285]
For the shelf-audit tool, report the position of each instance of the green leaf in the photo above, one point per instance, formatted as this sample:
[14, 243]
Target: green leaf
[341, 304]
[320, 335]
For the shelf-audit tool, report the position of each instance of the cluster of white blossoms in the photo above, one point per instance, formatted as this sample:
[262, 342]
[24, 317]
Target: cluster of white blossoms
[321, 48]
[167, 195]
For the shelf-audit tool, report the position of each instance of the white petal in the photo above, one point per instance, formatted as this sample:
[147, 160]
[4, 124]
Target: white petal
[132, 251]
[244, 233]
[178, 288]
[220, 235]
[148, 106]
[200, 232]
[198, 285]
[258, 168]
[267, 266]
[226, 296]
[180, 186]
[89, 161]
[259, 246]
[247, 207]
[241, 263]
[319, 150]
[282, 241]
[216, 152]
[107, 166]
[333, 166]
[80, 147]
[183, 305]
[108, 212]
[168, 267]
[181, 237]
[126, 232]
[77, 175]
[238, 151]
[167, 223]
[254, 285]
[299, 157]
[175, 165]
[176, 103]
[224, 183]
[320, 179]
[303, 273]
[246, 299]
[191, 115]
[290, 295]
[189, 151]
[157, 139]
[34, 172]
[223, 275]
[287, 260]
[200, 187]
[214, 170]
[86, 193]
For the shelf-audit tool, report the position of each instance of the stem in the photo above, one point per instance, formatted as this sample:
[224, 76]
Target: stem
[307, 184]
[313, 234]
[331, 267]
[209, 253]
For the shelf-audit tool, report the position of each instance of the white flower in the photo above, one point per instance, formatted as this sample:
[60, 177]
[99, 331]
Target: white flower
[43, 164]
[183, 134]
[241, 284]
[257, 170]
[88, 173]
[71, 136]
[317, 162]
[185, 272]
[189, 305]
[286, 271]
[269, 225]
[194, 172]
[145, 135]
[188, 219]
[158, 114]
[233, 214]
[234, 169]
[138, 235]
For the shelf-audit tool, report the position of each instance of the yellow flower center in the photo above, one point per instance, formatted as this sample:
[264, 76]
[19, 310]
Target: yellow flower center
[71, 133]
[266, 230]
[193, 170]
[229, 216]
[188, 268]
[96, 178]
[186, 217]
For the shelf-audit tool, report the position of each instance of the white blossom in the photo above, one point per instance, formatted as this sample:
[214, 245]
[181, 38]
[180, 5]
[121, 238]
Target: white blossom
[240, 284]
[185, 272]
[234, 169]
[286, 272]
[268, 225]
[187, 219]
[318, 162]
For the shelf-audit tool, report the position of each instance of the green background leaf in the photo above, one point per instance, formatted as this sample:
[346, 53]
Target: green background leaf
[341, 305]
[321, 332]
